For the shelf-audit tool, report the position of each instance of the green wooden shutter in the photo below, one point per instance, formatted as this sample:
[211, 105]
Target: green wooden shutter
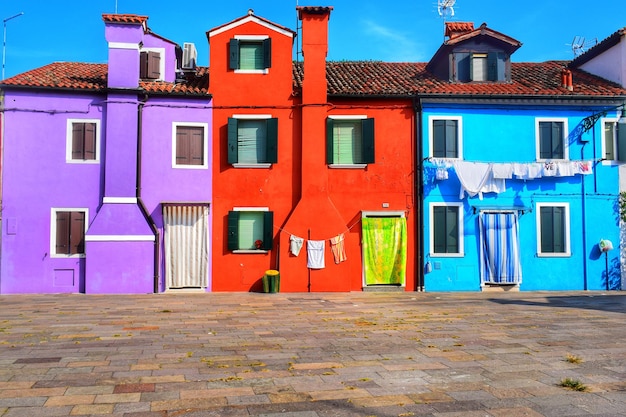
[268, 230]
[267, 53]
[233, 230]
[233, 48]
[232, 141]
[451, 140]
[452, 224]
[439, 229]
[329, 141]
[547, 229]
[558, 229]
[492, 66]
[367, 131]
[557, 140]
[439, 138]
[621, 142]
[271, 137]
[545, 140]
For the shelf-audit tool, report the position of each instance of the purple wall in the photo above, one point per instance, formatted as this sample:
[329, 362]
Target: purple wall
[36, 178]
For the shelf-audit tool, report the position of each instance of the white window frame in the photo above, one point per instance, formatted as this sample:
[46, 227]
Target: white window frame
[563, 120]
[68, 142]
[53, 231]
[568, 250]
[253, 209]
[205, 145]
[161, 52]
[461, 234]
[252, 117]
[252, 38]
[604, 121]
[354, 117]
[459, 134]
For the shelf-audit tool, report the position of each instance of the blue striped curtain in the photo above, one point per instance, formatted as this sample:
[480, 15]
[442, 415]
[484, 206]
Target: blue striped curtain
[500, 250]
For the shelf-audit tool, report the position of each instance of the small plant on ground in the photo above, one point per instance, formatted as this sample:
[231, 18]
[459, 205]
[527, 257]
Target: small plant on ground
[573, 384]
[573, 359]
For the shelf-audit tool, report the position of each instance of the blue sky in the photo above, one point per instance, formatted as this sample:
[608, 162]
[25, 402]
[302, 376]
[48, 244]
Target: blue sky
[385, 30]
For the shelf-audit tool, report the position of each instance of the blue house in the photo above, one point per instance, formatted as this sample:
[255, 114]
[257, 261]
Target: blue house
[520, 170]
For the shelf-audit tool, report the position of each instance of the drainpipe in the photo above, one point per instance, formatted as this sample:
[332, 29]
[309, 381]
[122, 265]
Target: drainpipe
[419, 197]
[142, 206]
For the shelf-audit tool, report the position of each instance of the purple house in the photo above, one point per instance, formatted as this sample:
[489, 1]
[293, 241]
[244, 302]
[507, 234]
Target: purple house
[106, 181]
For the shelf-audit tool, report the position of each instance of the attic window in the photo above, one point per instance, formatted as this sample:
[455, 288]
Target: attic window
[250, 54]
[479, 67]
[150, 65]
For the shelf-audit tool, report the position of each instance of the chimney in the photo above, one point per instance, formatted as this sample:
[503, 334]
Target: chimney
[566, 79]
[456, 29]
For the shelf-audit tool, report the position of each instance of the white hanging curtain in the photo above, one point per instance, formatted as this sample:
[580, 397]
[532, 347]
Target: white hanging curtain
[500, 249]
[186, 246]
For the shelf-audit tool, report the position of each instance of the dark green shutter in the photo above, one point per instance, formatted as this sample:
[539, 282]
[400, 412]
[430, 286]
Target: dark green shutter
[558, 229]
[233, 157]
[267, 53]
[463, 63]
[557, 140]
[268, 230]
[451, 139]
[233, 60]
[439, 226]
[545, 140]
[492, 66]
[329, 141]
[271, 137]
[439, 138]
[233, 230]
[621, 142]
[547, 244]
[367, 131]
[452, 225]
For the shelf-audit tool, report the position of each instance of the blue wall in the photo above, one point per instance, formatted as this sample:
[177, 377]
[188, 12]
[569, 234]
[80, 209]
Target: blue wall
[507, 134]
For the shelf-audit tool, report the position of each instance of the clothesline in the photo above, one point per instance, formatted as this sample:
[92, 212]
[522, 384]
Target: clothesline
[451, 160]
[280, 229]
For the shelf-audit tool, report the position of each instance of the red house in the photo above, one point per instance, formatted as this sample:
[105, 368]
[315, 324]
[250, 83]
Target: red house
[311, 176]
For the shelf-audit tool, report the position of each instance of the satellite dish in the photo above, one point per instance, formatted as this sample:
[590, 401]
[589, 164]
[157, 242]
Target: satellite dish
[445, 8]
[580, 45]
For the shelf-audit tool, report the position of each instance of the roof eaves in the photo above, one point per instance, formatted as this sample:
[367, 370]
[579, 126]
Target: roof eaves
[599, 48]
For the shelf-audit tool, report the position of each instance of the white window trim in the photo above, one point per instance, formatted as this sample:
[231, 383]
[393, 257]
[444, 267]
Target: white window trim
[253, 251]
[53, 230]
[613, 161]
[252, 117]
[123, 45]
[565, 137]
[161, 52]
[252, 38]
[68, 142]
[348, 117]
[567, 252]
[389, 213]
[431, 134]
[205, 149]
[431, 225]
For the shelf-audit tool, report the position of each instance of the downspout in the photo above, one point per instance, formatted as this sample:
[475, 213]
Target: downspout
[419, 197]
[140, 203]
[584, 215]
[1, 174]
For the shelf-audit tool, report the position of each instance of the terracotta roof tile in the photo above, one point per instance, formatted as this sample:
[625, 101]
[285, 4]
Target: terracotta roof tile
[93, 77]
[125, 18]
[454, 29]
[348, 78]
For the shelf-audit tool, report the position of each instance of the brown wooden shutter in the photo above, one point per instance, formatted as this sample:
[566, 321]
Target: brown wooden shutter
[182, 146]
[90, 141]
[77, 232]
[154, 65]
[62, 233]
[196, 137]
[78, 140]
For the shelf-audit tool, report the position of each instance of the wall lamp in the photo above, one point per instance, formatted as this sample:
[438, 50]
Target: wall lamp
[589, 121]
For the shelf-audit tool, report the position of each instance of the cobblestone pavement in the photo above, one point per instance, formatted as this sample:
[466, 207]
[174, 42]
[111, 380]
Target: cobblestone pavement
[313, 355]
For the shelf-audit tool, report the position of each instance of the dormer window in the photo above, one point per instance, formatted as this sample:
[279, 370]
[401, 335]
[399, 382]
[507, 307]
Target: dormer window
[479, 67]
[250, 54]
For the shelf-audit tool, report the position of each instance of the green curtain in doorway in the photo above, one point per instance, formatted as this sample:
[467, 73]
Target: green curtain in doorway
[384, 250]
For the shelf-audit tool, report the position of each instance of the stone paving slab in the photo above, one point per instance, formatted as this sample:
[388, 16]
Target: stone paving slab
[313, 355]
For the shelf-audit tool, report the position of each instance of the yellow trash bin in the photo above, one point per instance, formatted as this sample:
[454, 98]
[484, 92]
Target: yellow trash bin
[271, 281]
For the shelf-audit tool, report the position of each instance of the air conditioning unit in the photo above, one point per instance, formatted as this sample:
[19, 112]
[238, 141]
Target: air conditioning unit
[190, 55]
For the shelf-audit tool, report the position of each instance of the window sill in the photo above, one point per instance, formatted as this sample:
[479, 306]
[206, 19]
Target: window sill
[251, 251]
[62, 256]
[252, 71]
[190, 166]
[238, 165]
[446, 255]
[347, 166]
[554, 255]
[83, 161]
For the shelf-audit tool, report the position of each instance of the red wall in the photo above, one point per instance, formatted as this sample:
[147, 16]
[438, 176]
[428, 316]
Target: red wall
[307, 197]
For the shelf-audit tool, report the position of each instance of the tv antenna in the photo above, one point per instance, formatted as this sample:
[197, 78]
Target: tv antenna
[580, 45]
[445, 8]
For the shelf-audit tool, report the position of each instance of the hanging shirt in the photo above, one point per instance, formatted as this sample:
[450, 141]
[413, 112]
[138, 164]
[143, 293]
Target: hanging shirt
[315, 254]
[295, 244]
[338, 248]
